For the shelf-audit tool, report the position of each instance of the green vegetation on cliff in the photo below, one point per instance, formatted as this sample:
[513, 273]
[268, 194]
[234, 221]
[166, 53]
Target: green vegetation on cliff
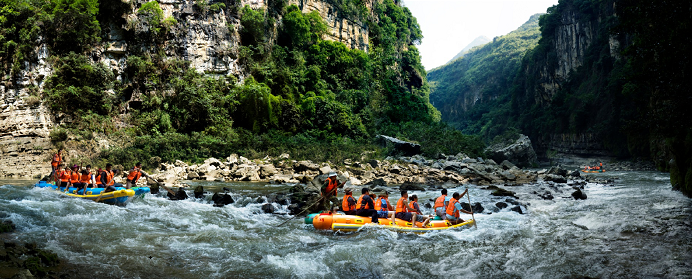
[313, 98]
[635, 99]
[473, 91]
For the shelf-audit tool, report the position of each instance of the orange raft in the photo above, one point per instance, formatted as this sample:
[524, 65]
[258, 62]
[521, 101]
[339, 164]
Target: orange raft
[341, 222]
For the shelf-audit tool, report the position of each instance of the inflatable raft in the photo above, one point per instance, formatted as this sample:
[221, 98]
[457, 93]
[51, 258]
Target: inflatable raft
[592, 170]
[341, 222]
[120, 196]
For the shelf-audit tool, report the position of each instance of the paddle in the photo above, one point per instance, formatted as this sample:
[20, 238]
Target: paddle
[100, 195]
[471, 207]
[318, 200]
[160, 184]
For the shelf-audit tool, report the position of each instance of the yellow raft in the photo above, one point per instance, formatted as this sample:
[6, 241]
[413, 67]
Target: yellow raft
[340, 222]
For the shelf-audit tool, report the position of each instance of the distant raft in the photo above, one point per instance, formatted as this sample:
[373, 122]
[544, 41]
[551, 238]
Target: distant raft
[340, 222]
[119, 197]
[593, 170]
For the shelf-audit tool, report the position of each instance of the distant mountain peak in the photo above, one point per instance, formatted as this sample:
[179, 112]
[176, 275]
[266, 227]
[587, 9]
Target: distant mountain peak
[481, 40]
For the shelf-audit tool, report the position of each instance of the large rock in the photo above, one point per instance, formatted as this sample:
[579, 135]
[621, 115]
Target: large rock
[267, 170]
[520, 152]
[302, 166]
[411, 187]
[406, 148]
[555, 178]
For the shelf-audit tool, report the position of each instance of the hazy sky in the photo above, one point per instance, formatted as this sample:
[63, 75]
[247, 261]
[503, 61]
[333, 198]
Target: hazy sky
[449, 25]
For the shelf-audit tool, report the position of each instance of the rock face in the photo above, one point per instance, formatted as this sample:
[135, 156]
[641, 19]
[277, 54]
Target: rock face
[520, 152]
[352, 33]
[406, 148]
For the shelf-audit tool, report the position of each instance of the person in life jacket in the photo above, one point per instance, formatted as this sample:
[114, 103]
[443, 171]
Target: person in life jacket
[329, 191]
[348, 204]
[366, 207]
[383, 206]
[404, 211]
[75, 178]
[135, 173]
[441, 205]
[64, 178]
[56, 164]
[105, 179]
[454, 207]
[420, 218]
[86, 179]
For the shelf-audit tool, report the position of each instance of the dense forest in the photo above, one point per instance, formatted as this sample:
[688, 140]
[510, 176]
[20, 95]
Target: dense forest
[634, 100]
[301, 94]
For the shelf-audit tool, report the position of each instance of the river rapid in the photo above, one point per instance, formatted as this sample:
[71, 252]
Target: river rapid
[635, 228]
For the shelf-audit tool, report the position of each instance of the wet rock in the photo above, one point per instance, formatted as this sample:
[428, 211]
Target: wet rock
[378, 182]
[547, 196]
[558, 170]
[579, 195]
[222, 199]
[268, 208]
[517, 209]
[411, 187]
[179, 195]
[555, 178]
[302, 166]
[4, 214]
[519, 152]
[501, 205]
[260, 200]
[511, 201]
[199, 192]
[575, 173]
[282, 199]
[192, 176]
[428, 205]
[407, 148]
[499, 192]
[7, 226]
[506, 165]
[477, 207]
[374, 163]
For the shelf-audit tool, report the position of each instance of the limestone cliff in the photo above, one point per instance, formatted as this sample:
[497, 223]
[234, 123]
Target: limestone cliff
[206, 38]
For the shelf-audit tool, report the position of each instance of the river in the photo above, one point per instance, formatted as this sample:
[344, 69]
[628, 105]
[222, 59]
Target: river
[636, 228]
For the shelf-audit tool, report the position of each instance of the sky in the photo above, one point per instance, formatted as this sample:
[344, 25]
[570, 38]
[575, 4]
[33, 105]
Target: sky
[449, 25]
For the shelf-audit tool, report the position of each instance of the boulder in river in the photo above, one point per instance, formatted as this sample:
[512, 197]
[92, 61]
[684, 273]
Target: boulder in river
[477, 207]
[179, 195]
[406, 148]
[555, 178]
[501, 205]
[199, 192]
[222, 199]
[520, 152]
[499, 192]
[268, 208]
[579, 195]
[408, 186]
[517, 209]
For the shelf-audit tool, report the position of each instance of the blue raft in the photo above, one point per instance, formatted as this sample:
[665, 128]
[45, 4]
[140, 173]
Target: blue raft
[120, 196]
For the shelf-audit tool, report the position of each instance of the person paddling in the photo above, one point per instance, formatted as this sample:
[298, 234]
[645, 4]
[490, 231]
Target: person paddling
[454, 207]
[105, 179]
[348, 204]
[329, 190]
[366, 207]
[135, 173]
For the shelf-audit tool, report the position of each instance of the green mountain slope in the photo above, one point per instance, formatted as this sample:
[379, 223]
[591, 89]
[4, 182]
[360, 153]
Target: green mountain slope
[467, 88]
[476, 42]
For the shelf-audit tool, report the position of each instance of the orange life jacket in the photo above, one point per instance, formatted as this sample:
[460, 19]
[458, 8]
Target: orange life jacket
[109, 178]
[401, 205]
[412, 204]
[56, 160]
[135, 174]
[64, 176]
[440, 201]
[347, 205]
[74, 177]
[361, 205]
[379, 202]
[333, 183]
[85, 178]
[451, 210]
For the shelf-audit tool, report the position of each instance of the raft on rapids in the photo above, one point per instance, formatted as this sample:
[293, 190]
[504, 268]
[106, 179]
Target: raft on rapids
[120, 196]
[341, 222]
